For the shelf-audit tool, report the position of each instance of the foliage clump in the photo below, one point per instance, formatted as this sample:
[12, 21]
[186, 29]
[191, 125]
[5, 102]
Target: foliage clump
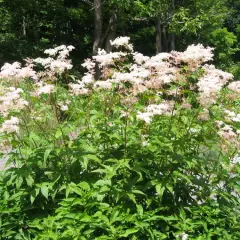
[148, 150]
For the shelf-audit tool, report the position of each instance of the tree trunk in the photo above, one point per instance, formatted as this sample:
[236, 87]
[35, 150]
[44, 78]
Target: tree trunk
[158, 36]
[24, 26]
[165, 39]
[172, 35]
[111, 35]
[172, 42]
[97, 25]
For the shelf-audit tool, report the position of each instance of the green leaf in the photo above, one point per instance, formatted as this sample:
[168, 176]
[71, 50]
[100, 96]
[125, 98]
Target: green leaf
[129, 231]
[84, 185]
[46, 155]
[94, 158]
[58, 134]
[44, 191]
[29, 180]
[34, 193]
[132, 197]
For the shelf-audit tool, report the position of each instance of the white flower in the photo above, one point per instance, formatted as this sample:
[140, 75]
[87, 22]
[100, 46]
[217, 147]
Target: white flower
[103, 85]
[45, 88]
[10, 126]
[235, 160]
[57, 62]
[12, 101]
[89, 64]
[105, 59]
[88, 79]
[63, 106]
[78, 88]
[211, 83]
[15, 71]
[183, 236]
[237, 118]
[234, 86]
[122, 42]
[145, 116]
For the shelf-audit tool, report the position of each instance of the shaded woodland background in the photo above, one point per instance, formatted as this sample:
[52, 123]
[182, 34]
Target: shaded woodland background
[27, 27]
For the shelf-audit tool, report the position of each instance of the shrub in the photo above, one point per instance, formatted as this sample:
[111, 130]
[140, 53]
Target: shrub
[149, 150]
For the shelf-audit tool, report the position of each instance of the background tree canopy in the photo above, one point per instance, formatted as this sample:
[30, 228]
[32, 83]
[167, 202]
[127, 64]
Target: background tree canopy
[28, 27]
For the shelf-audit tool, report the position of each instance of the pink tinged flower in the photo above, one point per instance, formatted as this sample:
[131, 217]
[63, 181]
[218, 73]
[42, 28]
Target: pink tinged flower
[196, 55]
[45, 88]
[88, 79]
[234, 86]
[79, 88]
[102, 85]
[10, 70]
[12, 101]
[227, 133]
[186, 106]
[15, 71]
[164, 108]
[10, 126]
[89, 65]
[139, 58]
[211, 84]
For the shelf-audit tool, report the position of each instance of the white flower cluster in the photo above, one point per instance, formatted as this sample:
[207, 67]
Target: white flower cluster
[235, 160]
[232, 116]
[122, 42]
[164, 108]
[63, 105]
[12, 101]
[43, 88]
[195, 55]
[102, 85]
[89, 65]
[234, 86]
[106, 59]
[155, 72]
[227, 132]
[61, 63]
[183, 236]
[211, 84]
[10, 126]
[78, 88]
[16, 72]
[62, 51]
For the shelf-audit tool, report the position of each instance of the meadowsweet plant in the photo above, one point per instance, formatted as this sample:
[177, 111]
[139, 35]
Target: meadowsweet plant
[137, 148]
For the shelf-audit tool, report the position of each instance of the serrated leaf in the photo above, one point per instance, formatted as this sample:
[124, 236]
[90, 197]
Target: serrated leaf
[29, 180]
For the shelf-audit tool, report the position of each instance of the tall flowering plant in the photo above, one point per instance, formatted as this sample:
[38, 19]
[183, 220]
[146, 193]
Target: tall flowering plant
[148, 150]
